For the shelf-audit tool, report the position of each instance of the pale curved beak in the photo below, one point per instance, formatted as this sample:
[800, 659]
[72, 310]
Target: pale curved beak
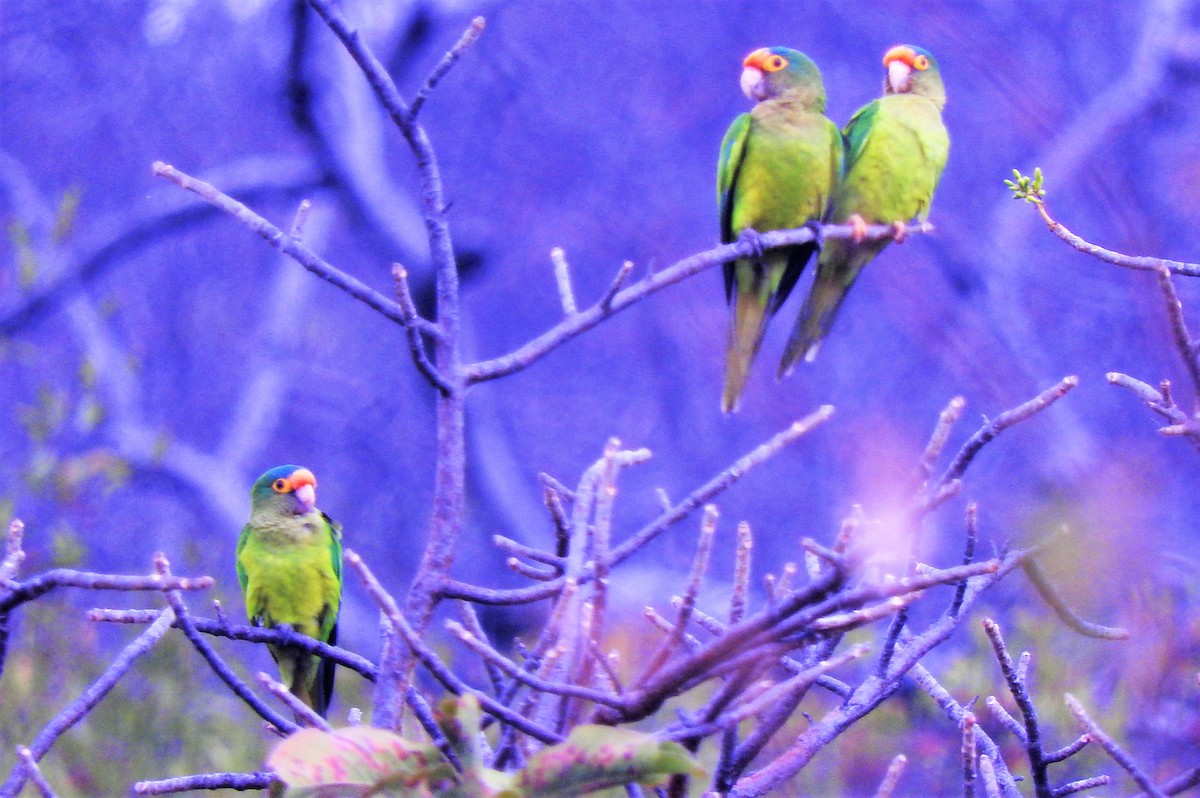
[899, 74]
[752, 83]
[306, 495]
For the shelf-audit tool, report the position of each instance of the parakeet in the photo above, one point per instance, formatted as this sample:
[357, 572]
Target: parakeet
[778, 166]
[896, 148]
[289, 563]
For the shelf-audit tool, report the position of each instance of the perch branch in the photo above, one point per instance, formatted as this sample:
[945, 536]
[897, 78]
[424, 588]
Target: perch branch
[584, 320]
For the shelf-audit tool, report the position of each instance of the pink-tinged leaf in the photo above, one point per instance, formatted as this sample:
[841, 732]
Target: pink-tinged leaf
[597, 757]
[357, 761]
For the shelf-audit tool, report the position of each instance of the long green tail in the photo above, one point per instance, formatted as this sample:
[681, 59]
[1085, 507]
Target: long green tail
[837, 269]
[746, 328]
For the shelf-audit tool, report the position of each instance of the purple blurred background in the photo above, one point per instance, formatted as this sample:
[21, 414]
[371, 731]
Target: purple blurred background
[156, 356]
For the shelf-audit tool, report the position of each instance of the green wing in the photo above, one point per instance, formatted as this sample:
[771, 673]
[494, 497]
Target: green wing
[896, 149]
[241, 544]
[733, 148]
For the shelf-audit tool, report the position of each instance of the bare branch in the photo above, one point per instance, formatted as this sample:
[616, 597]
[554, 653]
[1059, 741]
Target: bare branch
[687, 603]
[250, 634]
[1002, 422]
[1110, 746]
[741, 572]
[416, 346]
[430, 660]
[469, 37]
[703, 494]
[1072, 787]
[206, 781]
[892, 777]
[1140, 263]
[33, 773]
[968, 754]
[583, 321]
[289, 246]
[1184, 343]
[562, 276]
[1033, 734]
[302, 711]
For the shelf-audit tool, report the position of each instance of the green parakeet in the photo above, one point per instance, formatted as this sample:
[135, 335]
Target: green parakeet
[779, 164]
[289, 563]
[896, 148]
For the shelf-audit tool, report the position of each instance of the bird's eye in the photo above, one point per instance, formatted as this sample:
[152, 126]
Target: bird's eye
[921, 62]
[279, 486]
[775, 63]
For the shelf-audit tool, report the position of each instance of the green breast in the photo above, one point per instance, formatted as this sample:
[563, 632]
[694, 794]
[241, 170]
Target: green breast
[290, 576]
[786, 172]
[893, 174]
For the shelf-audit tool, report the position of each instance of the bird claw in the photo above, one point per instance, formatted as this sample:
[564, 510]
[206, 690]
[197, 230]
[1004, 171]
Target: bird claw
[858, 227]
[899, 232]
[750, 238]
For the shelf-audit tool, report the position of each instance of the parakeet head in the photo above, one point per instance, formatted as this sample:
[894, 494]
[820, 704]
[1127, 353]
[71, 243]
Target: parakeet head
[286, 489]
[771, 72]
[912, 70]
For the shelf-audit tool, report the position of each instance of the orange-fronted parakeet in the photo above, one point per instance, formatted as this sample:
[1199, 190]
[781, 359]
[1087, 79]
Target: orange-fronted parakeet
[289, 563]
[896, 148]
[778, 167]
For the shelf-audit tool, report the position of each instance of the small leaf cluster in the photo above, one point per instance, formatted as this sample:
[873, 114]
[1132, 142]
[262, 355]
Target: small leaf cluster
[1027, 188]
[362, 761]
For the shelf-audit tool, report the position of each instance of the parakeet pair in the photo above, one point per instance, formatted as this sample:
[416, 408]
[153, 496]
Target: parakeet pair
[289, 563]
[784, 164]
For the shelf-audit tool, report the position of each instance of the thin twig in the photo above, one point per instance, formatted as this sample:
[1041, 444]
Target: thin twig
[37, 586]
[1068, 750]
[1139, 262]
[968, 754]
[987, 774]
[1072, 787]
[33, 772]
[892, 777]
[618, 280]
[412, 332]
[739, 595]
[1002, 422]
[687, 602]
[302, 711]
[493, 656]
[562, 277]
[291, 247]
[250, 634]
[431, 661]
[469, 37]
[1184, 343]
[941, 434]
[698, 497]
[1020, 693]
[1110, 747]
[968, 556]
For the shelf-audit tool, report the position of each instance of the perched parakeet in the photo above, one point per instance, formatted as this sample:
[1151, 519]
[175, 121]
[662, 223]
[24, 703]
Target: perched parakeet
[896, 148]
[289, 563]
[779, 164]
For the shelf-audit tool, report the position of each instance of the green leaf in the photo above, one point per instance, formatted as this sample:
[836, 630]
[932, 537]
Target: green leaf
[360, 762]
[597, 757]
